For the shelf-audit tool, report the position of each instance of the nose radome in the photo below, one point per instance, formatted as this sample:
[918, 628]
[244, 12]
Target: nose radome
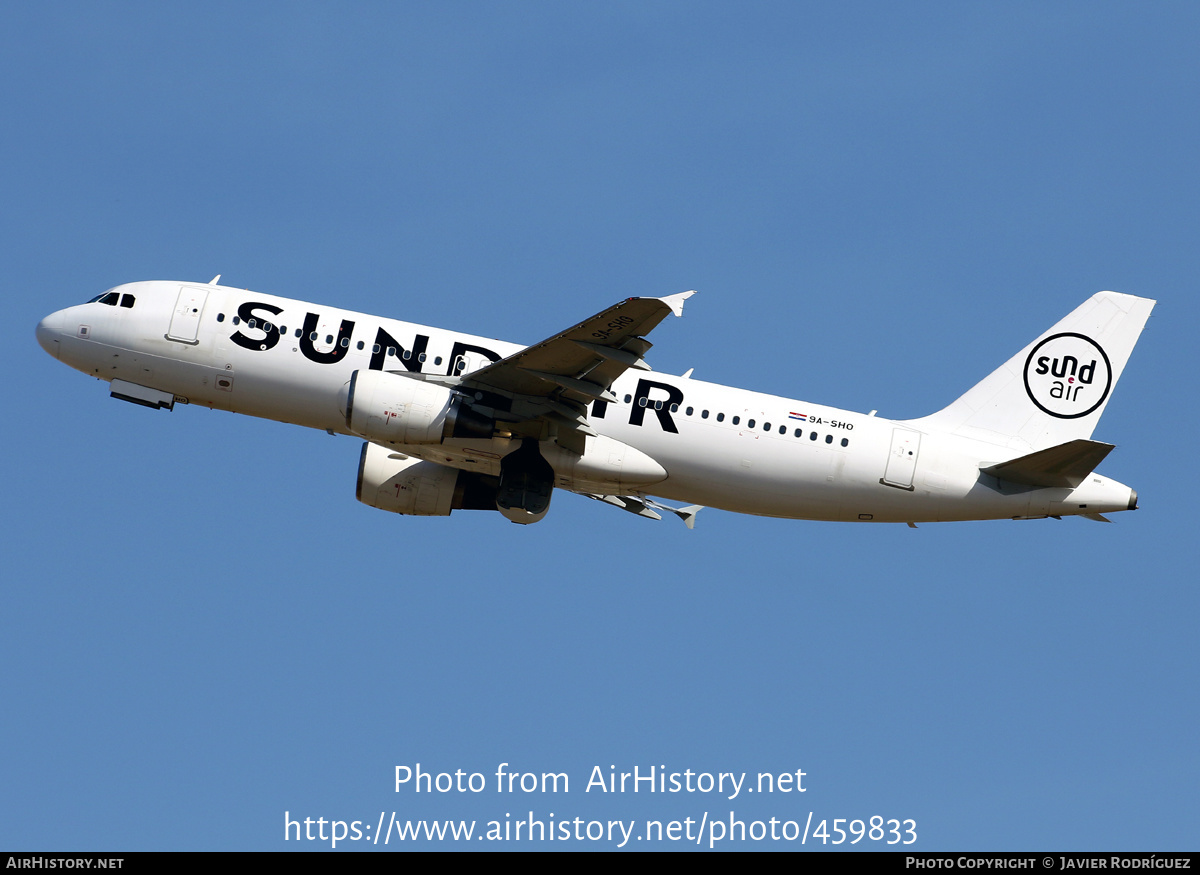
[48, 331]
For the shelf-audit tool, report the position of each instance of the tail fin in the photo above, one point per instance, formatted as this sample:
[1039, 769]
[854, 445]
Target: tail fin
[1055, 389]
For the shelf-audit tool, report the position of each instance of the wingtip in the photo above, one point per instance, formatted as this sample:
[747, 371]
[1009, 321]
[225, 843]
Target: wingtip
[675, 302]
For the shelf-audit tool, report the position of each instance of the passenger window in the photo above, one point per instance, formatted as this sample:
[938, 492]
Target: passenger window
[220, 317]
[845, 442]
[813, 436]
[736, 420]
[406, 355]
[420, 358]
[345, 342]
[688, 412]
[749, 423]
[720, 417]
[674, 408]
[329, 338]
[799, 432]
[267, 327]
[375, 348]
[300, 333]
[704, 414]
[828, 438]
[628, 398]
[658, 405]
[127, 301]
[438, 360]
[766, 426]
[313, 337]
[391, 350]
[283, 331]
[237, 321]
[250, 323]
[783, 429]
[641, 402]
[360, 345]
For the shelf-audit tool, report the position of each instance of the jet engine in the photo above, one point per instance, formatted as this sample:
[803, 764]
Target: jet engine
[394, 409]
[401, 484]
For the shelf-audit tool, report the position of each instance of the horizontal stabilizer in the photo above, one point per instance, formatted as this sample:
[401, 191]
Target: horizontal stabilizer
[1064, 465]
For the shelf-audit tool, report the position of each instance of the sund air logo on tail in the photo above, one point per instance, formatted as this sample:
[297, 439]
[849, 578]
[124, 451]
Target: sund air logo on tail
[1068, 375]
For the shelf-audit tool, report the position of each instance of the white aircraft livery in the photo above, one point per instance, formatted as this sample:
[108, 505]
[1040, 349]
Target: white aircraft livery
[451, 421]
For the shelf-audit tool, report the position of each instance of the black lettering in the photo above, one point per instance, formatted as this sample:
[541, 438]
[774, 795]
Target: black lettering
[324, 358]
[1043, 365]
[1088, 373]
[383, 340]
[461, 348]
[1062, 372]
[641, 402]
[599, 408]
[269, 338]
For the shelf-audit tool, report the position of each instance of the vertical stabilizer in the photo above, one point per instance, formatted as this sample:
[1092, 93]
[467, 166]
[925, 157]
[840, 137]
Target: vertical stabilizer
[1056, 388]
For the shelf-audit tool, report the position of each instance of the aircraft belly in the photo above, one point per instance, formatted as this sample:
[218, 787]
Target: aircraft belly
[305, 396]
[744, 473]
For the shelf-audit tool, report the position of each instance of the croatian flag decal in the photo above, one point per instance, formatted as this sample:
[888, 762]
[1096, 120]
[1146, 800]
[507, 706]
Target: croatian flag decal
[802, 417]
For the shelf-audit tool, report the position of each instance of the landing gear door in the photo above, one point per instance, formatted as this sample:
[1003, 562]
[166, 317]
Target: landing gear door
[902, 459]
[185, 319]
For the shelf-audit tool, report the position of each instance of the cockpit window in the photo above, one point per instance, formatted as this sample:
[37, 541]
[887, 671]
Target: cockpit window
[106, 297]
[112, 298]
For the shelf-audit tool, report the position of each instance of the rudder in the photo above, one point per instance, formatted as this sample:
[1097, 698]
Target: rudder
[1056, 388]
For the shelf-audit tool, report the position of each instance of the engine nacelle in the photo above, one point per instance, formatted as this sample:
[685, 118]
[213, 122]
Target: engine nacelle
[402, 410]
[401, 484]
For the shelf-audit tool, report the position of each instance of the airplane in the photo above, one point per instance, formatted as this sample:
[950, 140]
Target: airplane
[452, 421]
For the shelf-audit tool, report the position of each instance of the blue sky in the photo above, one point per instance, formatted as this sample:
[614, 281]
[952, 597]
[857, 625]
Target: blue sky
[879, 203]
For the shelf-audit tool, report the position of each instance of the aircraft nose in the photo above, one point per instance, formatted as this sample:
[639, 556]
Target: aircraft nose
[48, 331]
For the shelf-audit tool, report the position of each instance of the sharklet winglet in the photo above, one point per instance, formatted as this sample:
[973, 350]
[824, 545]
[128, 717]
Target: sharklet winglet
[675, 302]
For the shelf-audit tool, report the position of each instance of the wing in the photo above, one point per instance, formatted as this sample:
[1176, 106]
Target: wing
[646, 507]
[545, 389]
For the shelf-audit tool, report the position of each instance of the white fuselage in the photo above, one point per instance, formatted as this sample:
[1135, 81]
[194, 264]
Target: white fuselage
[720, 446]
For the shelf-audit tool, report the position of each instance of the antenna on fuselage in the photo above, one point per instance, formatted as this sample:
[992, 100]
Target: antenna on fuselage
[213, 281]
